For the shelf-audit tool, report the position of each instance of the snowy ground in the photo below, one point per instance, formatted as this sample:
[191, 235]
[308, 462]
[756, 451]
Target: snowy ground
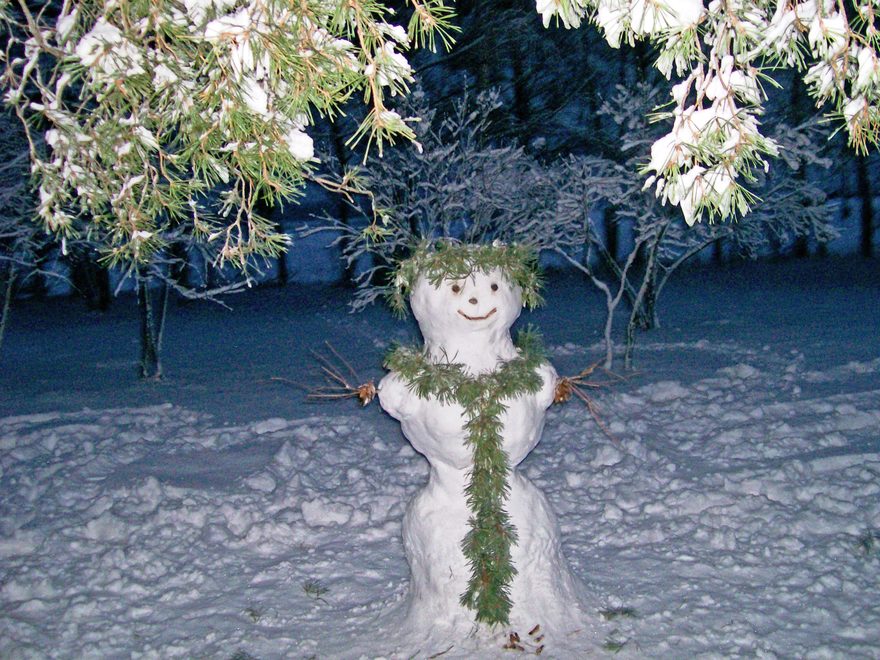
[735, 512]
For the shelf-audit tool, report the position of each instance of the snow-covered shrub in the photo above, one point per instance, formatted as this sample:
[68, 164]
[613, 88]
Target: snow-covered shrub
[450, 183]
[787, 206]
[721, 55]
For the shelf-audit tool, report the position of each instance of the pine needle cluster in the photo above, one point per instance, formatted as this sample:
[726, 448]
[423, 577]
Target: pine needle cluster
[487, 544]
[451, 260]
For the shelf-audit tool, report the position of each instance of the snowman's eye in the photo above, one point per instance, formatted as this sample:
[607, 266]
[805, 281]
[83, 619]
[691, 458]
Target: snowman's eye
[494, 286]
[455, 288]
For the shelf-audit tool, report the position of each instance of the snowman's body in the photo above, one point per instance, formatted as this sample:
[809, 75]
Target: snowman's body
[468, 322]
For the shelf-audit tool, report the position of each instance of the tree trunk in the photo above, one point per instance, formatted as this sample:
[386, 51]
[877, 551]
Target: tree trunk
[648, 318]
[642, 60]
[349, 274]
[152, 306]
[644, 308]
[90, 279]
[718, 251]
[179, 264]
[102, 284]
[867, 215]
[644, 304]
[36, 283]
[612, 234]
[7, 300]
[801, 247]
[283, 272]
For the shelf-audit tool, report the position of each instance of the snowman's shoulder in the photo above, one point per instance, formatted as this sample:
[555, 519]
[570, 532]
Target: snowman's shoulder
[549, 378]
[545, 368]
[392, 385]
[396, 395]
[548, 374]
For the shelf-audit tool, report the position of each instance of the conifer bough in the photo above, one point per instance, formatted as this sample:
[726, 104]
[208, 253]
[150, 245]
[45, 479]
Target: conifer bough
[167, 114]
[722, 53]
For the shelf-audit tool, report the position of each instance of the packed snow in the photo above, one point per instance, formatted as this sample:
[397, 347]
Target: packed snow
[730, 507]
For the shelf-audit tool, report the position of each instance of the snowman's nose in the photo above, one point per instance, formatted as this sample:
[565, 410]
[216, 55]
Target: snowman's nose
[473, 301]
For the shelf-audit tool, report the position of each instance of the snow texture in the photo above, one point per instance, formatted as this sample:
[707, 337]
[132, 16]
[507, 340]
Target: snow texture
[733, 509]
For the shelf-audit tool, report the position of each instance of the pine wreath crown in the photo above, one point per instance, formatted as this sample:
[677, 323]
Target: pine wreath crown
[450, 260]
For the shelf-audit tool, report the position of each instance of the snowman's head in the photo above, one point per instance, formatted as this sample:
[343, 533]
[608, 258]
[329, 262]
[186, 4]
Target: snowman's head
[477, 303]
[460, 289]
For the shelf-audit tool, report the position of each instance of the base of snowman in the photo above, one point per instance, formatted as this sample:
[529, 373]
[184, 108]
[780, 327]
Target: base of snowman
[549, 601]
[544, 592]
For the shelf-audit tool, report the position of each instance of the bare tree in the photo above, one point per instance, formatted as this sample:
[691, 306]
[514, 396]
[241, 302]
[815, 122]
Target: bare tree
[791, 208]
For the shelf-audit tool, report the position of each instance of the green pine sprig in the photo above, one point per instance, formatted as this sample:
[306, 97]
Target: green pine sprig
[487, 545]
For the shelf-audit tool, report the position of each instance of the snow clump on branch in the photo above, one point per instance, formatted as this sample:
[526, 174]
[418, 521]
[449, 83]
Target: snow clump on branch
[723, 52]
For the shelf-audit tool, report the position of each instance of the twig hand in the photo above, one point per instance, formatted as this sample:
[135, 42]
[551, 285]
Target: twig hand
[337, 385]
[568, 386]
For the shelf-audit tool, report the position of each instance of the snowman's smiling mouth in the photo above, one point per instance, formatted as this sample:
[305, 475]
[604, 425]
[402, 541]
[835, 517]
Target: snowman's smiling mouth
[478, 318]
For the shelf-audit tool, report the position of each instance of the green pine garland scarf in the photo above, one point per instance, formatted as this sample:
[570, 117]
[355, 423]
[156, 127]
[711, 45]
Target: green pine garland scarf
[488, 542]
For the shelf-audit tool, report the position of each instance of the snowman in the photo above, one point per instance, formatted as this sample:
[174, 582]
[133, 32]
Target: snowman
[481, 540]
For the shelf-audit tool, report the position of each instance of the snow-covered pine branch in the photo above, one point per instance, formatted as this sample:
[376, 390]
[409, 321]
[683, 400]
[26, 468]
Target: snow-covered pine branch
[190, 113]
[723, 54]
